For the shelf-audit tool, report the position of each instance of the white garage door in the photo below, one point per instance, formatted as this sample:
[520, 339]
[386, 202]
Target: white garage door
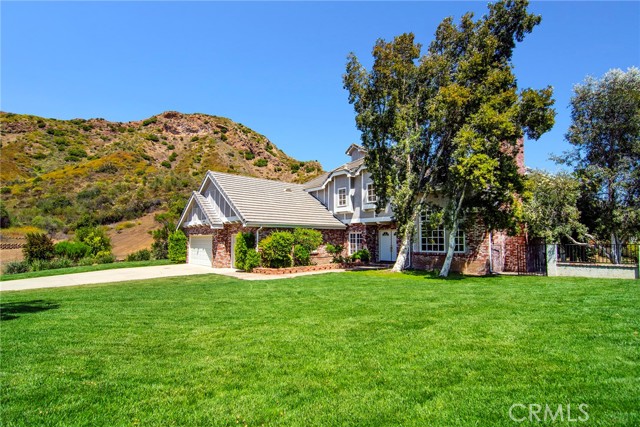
[200, 251]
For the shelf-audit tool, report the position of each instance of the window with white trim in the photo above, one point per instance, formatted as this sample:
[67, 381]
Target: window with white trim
[371, 193]
[355, 242]
[434, 238]
[342, 197]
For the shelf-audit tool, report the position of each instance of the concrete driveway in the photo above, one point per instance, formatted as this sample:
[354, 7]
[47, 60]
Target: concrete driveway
[105, 276]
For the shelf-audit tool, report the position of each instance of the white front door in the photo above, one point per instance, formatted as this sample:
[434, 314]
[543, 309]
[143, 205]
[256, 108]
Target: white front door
[201, 250]
[387, 245]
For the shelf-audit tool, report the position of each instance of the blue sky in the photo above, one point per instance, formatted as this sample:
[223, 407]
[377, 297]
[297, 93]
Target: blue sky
[274, 66]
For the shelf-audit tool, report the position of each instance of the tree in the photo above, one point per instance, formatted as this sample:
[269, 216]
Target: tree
[160, 245]
[450, 123]
[5, 218]
[96, 238]
[550, 208]
[605, 134]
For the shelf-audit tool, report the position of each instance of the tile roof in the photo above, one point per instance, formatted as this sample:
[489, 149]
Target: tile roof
[262, 202]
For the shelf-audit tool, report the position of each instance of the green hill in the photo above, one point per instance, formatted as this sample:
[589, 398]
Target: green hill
[58, 174]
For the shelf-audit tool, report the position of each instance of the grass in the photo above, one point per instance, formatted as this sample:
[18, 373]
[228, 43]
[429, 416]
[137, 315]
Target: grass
[350, 349]
[82, 269]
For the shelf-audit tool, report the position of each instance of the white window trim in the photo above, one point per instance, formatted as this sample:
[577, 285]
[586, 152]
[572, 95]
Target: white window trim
[375, 197]
[445, 236]
[351, 249]
[346, 198]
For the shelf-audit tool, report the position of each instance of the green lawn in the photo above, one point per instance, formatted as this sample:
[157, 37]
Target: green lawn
[350, 349]
[83, 269]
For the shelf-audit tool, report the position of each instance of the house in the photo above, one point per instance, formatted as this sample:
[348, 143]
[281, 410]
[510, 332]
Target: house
[342, 205]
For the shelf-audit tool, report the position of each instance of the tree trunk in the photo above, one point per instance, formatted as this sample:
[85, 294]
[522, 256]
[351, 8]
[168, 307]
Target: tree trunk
[402, 253]
[451, 238]
[451, 246]
[616, 255]
[406, 243]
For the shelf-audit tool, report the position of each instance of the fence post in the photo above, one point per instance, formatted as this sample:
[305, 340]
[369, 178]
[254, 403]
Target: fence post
[552, 259]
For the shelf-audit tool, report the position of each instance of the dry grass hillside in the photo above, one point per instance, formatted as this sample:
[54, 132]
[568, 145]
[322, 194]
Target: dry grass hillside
[60, 174]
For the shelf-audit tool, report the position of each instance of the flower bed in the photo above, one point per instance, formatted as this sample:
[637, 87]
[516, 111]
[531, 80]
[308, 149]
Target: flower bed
[300, 269]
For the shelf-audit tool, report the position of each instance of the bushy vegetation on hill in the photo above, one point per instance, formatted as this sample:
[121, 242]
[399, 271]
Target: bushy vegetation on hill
[61, 175]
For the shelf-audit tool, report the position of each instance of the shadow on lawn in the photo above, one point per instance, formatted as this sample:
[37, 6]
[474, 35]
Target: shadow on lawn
[11, 310]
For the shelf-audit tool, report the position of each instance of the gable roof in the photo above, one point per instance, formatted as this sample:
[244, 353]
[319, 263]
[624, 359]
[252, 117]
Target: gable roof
[211, 217]
[351, 168]
[265, 203]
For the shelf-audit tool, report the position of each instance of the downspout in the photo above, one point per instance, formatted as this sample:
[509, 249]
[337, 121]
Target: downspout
[258, 237]
[490, 252]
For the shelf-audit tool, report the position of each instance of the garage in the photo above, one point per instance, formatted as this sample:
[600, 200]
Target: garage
[200, 250]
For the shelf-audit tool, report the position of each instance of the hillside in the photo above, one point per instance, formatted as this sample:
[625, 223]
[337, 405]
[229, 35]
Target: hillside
[58, 174]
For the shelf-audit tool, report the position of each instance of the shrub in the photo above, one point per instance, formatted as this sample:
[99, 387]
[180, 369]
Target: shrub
[301, 255]
[76, 152]
[177, 250]
[141, 255]
[361, 255]
[38, 247]
[16, 267]
[248, 155]
[5, 218]
[107, 168]
[166, 164]
[308, 238]
[336, 252]
[244, 242]
[104, 257]
[96, 238]
[49, 223]
[87, 261]
[173, 157]
[72, 250]
[252, 260]
[195, 138]
[171, 146]
[223, 137]
[39, 265]
[261, 163]
[276, 249]
[149, 121]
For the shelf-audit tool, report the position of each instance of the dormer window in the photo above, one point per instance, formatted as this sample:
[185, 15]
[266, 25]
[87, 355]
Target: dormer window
[371, 193]
[342, 197]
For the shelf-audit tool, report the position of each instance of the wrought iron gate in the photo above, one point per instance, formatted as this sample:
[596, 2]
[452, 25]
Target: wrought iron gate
[532, 259]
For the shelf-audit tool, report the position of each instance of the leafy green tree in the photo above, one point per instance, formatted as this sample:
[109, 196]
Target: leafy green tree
[160, 245]
[605, 134]
[550, 207]
[177, 249]
[449, 122]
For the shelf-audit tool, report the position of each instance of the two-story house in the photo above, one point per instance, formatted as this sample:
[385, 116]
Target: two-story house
[341, 204]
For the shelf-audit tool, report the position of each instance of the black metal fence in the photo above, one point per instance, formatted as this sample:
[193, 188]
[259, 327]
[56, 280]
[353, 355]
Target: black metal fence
[532, 259]
[599, 253]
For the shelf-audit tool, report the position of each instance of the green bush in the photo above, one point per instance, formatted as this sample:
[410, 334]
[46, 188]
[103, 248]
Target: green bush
[248, 155]
[301, 255]
[39, 265]
[361, 255]
[308, 238]
[166, 164]
[95, 237]
[16, 267]
[261, 163]
[173, 157]
[276, 249]
[149, 121]
[76, 152]
[152, 137]
[244, 243]
[252, 260]
[87, 261]
[177, 246]
[39, 246]
[141, 255]
[72, 250]
[104, 257]
[336, 252]
[5, 218]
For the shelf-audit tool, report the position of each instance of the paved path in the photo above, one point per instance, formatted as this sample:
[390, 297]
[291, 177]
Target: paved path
[137, 273]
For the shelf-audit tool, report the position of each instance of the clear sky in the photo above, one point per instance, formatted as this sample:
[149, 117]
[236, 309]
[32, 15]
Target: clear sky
[274, 66]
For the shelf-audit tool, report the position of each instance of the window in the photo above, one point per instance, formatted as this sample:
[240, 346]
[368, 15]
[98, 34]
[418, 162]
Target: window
[371, 193]
[355, 242]
[342, 197]
[433, 239]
